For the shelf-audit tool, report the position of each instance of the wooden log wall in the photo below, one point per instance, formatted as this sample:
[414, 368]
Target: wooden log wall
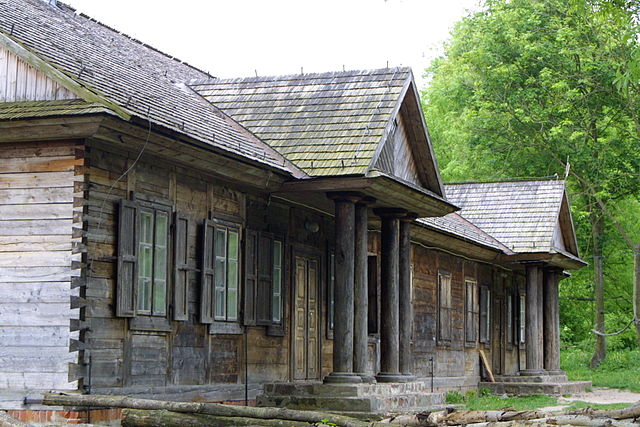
[187, 359]
[38, 259]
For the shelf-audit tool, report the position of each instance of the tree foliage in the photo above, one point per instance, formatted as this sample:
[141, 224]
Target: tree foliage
[527, 88]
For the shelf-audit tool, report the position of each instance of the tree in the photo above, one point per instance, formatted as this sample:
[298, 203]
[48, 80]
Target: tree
[536, 88]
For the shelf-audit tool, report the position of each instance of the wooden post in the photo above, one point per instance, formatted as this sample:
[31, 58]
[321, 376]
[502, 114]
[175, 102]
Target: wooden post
[551, 322]
[343, 291]
[533, 331]
[406, 311]
[360, 337]
[390, 316]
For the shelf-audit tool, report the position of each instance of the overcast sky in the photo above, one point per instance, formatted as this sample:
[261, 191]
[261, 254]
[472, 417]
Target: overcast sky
[230, 38]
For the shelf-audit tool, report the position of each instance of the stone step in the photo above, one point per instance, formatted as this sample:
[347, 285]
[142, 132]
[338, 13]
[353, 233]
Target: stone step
[530, 388]
[532, 378]
[345, 390]
[373, 404]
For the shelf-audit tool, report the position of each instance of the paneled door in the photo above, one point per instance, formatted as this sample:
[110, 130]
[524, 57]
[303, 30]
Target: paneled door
[306, 325]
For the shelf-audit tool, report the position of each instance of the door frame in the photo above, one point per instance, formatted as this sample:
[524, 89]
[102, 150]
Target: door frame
[298, 250]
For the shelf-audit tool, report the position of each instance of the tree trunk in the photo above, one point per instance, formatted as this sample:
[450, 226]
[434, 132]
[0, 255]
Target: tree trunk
[600, 351]
[141, 418]
[636, 292]
[105, 401]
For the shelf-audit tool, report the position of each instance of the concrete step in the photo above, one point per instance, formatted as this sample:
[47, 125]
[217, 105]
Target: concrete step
[370, 404]
[345, 390]
[530, 388]
[532, 378]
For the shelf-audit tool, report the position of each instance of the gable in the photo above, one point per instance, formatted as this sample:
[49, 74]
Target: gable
[396, 156]
[405, 152]
[20, 81]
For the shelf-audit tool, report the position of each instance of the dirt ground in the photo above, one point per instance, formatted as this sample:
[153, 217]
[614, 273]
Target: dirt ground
[598, 395]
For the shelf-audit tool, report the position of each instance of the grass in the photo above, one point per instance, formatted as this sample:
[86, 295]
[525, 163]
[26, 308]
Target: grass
[621, 368]
[484, 401]
[579, 404]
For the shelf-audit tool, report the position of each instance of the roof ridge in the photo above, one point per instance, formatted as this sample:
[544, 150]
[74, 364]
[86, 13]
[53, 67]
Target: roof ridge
[550, 178]
[303, 76]
[133, 39]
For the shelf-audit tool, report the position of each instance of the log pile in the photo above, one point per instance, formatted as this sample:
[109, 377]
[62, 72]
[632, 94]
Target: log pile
[147, 412]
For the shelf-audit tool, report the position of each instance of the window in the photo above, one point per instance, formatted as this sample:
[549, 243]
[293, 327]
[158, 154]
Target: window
[471, 299]
[485, 314]
[264, 286]
[523, 320]
[510, 323]
[444, 306]
[143, 251]
[372, 294]
[220, 272]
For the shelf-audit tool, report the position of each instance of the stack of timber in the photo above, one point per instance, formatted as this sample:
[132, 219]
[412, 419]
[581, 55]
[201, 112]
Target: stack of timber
[147, 412]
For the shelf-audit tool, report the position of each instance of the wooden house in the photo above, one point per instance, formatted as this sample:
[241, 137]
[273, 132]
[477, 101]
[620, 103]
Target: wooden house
[165, 233]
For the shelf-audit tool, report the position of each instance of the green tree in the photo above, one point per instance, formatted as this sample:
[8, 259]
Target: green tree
[529, 87]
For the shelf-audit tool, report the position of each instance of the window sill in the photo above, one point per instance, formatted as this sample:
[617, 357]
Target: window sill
[149, 323]
[275, 330]
[470, 344]
[225, 328]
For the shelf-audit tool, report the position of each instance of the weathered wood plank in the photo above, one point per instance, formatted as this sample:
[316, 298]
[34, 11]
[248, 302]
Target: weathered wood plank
[36, 227]
[37, 179]
[33, 211]
[35, 359]
[37, 381]
[36, 259]
[35, 292]
[34, 314]
[34, 336]
[16, 243]
[22, 196]
[39, 164]
[29, 274]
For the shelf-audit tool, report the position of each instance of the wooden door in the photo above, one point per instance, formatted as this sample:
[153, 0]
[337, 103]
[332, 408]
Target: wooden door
[306, 325]
[498, 336]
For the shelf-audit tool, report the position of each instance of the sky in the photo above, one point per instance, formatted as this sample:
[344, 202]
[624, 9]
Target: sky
[238, 38]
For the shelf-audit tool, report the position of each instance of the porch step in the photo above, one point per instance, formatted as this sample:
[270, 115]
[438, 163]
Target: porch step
[532, 379]
[522, 388]
[367, 398]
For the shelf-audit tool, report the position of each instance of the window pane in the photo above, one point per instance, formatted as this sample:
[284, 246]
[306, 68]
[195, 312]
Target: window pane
[233, 244]
[219, 272]
[232, 304]
[220, 241]
[276, 282]
[220, 304]
[232, 271]
[275, 307]
[277, 253]
[146, 227]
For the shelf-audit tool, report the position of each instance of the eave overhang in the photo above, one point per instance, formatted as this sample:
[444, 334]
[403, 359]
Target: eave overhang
[555, 258]
[388, 192]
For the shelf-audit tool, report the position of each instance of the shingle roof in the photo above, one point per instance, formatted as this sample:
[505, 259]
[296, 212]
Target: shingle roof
[520, 214]
[326, 124]
[454, 224]
[142, 80]
[22, 110]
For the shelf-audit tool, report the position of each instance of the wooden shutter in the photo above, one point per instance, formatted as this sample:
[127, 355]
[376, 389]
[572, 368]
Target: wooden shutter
[265, 269]
[484, 314]
[250, 276]
[180, 268]
[127, 260]
[207, 278]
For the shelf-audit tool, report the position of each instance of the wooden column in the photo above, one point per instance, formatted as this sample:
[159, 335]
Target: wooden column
[360, 334]
[551, 322]
[405, 306]
[533, 332]
[389, 296]
[343, 291]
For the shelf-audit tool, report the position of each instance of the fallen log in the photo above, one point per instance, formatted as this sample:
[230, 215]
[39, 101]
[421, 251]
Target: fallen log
[164, 418]
[107, 401]
[630, 412]
[566, 420]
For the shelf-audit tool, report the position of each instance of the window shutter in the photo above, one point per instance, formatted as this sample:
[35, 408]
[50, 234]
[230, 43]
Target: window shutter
[250, 277]
[206, 284]
[180, 268]
[263, 292]
[127, 274]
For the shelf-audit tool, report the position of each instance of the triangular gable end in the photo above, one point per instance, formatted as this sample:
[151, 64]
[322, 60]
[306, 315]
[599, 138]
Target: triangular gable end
[405, 150]
[564, 236]
[26, 77]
